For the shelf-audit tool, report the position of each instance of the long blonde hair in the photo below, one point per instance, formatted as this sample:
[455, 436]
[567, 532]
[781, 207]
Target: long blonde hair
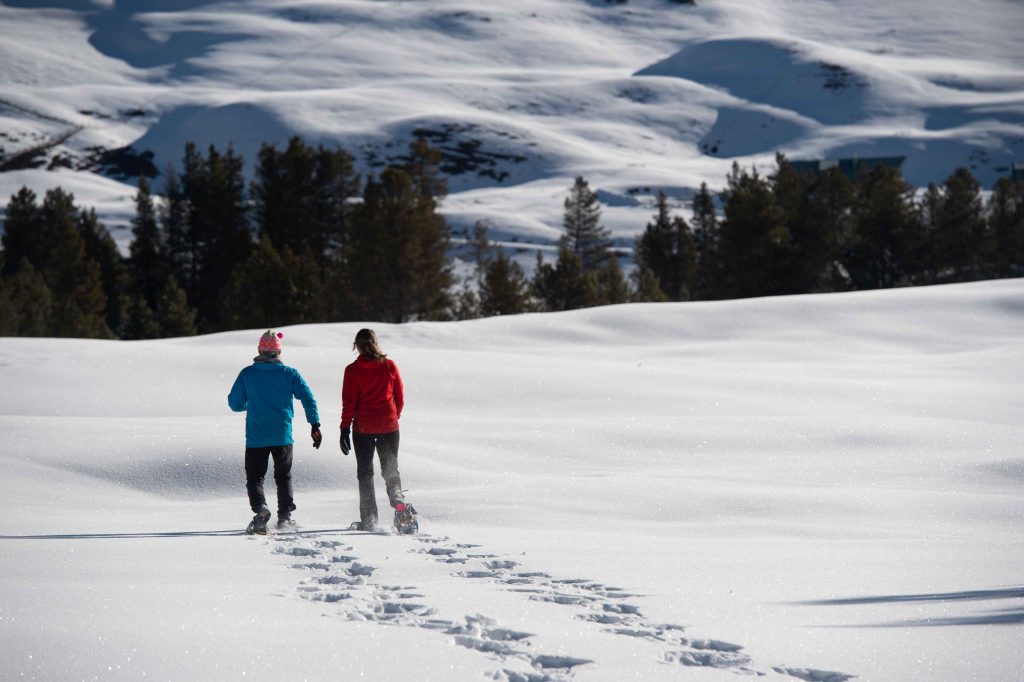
[366, 343]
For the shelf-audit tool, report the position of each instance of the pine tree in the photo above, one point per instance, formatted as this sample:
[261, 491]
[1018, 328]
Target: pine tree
[566, 285]
[21, 239]
[302, 197]
[30, 300]
[424, 169]
[79, 308]
[824, 231]
[646, 287]
[796, 273]
[141, 322]
[101, 249]
[961, 233]
[273, 288]
[399, 254]
[224, 214]
[668, 249]
[706, 238]
[79, 304]
[480, 250]
[929, 209]
[148, 262]
[1006, 225]
[886, 241]
[504, 289]
[611, 283]
[8, 311]
[753, 238]
[151, 277]
[173, 313]
[817, 211]
[584, 236]
[466, 302]
[207, 228]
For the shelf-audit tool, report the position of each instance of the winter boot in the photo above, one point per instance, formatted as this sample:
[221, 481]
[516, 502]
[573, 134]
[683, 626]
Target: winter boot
[285, 522]
[258, 525]
[405, 519]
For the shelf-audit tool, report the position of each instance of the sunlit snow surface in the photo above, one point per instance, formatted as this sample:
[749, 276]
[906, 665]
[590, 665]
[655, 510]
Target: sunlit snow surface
[806, 487]
[637, 97]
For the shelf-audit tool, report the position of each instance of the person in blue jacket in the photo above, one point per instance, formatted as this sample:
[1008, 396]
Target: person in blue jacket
[264, 391]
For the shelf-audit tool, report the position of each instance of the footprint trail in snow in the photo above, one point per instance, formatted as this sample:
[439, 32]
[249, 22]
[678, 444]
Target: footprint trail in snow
[335, 575]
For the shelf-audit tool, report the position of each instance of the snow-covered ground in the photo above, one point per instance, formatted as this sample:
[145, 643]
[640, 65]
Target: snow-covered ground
[832, 483]
[636, 96]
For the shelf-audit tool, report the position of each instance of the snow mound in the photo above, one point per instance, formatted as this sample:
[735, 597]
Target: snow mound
[772, 72]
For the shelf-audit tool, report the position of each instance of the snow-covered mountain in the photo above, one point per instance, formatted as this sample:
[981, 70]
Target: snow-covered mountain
[635, 95]
[803, 488]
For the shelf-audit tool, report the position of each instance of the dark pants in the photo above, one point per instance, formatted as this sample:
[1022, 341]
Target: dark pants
[386, 445]
[256, 461]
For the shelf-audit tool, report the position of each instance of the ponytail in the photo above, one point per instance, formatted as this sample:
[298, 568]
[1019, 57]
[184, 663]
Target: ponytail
[367, 345]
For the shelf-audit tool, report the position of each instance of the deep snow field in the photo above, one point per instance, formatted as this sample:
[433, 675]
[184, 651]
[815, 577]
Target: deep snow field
[811, 487]
[523, 96]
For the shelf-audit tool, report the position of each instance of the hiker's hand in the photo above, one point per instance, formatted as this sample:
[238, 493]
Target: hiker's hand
[317, 436]
[346, 442]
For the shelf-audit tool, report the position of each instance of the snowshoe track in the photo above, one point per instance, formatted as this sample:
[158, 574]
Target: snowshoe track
[338, 577]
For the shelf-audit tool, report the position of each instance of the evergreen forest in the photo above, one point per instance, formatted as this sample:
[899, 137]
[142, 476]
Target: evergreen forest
[310, 240]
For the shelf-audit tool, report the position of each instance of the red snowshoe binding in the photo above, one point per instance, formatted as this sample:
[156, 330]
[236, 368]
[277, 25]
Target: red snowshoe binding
[405, 519]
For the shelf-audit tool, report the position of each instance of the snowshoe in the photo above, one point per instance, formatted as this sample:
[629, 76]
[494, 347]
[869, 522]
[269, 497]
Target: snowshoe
[258, 525]
[359, 525]
[405, 519]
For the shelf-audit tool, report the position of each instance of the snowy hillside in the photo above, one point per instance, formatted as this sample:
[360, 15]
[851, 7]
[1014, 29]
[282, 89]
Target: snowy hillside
[636, 96]
[805, 488]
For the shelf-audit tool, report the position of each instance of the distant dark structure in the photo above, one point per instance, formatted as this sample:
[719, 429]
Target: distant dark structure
[852, 168]
[1017, 172]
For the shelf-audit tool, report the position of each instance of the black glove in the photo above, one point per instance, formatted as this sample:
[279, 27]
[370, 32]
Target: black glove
[317, 436]
[346, 443]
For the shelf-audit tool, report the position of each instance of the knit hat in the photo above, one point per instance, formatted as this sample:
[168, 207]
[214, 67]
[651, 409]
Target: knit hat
[270, 341]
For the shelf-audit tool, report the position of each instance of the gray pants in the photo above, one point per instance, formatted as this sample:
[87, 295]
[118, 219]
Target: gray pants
[386, 446]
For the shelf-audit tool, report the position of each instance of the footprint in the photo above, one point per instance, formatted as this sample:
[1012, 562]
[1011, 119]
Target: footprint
[392, 607]
[812, 675]
[336, 580]
[442, 551]
[328, 597]
[297, 551]
[640, 633]
[712, 645]
[603, 618]
[708, 659]
[500, 565]
[559, 661]
[477, 574]
[360, 569]
[564, 599]
[622, 608]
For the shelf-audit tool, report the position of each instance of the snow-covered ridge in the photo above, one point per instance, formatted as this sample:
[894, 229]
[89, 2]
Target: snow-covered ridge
[636, 96]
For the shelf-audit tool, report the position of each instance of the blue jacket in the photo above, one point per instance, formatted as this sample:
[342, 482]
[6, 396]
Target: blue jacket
[264, 391]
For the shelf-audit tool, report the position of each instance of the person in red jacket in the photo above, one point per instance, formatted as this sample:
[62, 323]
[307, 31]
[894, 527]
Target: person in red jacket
[371, 405]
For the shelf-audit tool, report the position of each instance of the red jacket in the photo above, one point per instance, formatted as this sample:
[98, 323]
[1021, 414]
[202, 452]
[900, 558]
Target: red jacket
[371, 396]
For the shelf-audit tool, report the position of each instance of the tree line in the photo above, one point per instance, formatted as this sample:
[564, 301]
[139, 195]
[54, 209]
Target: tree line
[309, 240]
[796, 232]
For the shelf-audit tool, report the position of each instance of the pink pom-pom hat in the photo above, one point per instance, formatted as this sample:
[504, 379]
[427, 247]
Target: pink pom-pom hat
[270, 341]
